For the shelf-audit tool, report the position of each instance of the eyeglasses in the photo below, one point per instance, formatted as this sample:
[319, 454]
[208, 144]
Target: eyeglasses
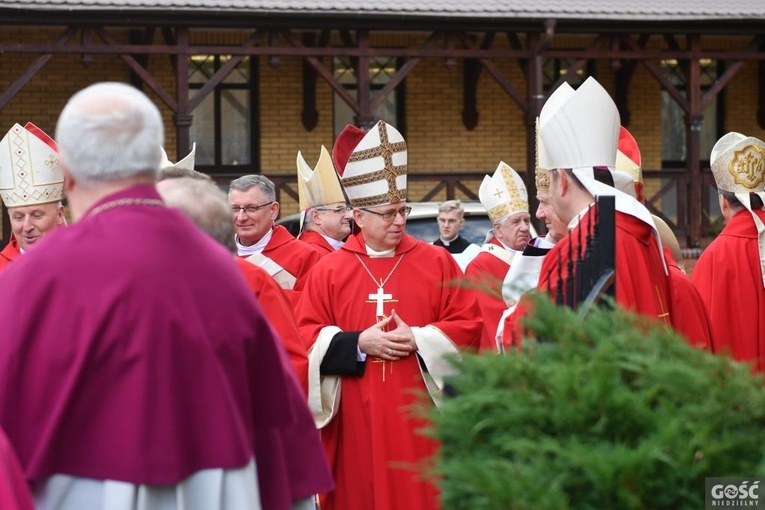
[341, 209]
[391, 215]
[248, 209]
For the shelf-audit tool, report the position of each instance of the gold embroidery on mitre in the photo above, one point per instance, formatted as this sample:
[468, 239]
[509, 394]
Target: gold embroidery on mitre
[516, 201]
[382, 199]
[388, 173]
[748, 166]
[542, 179]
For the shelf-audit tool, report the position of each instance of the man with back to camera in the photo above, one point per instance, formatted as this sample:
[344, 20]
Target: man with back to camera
[730, 273]
[132, 368]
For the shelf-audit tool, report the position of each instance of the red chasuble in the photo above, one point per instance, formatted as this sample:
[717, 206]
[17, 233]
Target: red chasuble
[291, 455]
[278, 311]
[373, 442]
[296, 257]
[317, 241]
[728, 278]
[10, 253]
[689, 315]
[641, 283]
[486, 273]
[132, 350]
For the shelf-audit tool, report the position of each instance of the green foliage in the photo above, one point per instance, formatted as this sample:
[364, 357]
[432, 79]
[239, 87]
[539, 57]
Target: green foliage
[608, 414]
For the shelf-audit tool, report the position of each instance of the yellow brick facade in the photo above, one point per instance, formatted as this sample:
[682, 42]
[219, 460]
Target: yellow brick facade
[436, 138]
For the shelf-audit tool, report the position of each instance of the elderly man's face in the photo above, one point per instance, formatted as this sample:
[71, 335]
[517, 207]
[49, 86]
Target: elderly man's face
[333, 220]
[514, 231]
[31, 223]
[381, 233]
[253, 214]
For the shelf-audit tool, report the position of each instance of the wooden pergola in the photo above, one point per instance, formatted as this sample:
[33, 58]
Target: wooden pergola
[624, 42]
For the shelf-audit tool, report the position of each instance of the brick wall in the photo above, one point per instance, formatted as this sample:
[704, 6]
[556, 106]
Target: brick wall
[436, 138]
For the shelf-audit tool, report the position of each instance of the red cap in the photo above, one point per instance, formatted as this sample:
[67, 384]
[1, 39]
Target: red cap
[39, 133]
[346, 141]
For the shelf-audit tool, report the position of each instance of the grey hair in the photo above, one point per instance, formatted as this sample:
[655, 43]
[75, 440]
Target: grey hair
[204, 203]
[110, 131]
[247, 182]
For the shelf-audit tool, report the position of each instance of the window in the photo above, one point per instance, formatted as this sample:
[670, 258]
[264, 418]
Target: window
[673, 147]
[554, 68]
[223, 123]
[381, 70]
[673, 117]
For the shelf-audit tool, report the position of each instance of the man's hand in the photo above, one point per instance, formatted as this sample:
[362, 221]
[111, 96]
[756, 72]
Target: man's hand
[389, 345]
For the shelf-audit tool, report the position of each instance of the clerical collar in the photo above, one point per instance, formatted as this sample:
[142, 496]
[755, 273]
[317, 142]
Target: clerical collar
[576, 219]
[380, 254]
[541, 242]
[505, 246]
[22, 250]
[255, 248]
[334, 243]
[450, 241]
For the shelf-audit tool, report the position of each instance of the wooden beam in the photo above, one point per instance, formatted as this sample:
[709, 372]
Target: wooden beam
[309, 115]
[729, 73]
[33, 69]
[694, 118]
[224, 71]
[579, 64]
[364, 116]
[326, 74]
[141, 71]
[183, 116]
[402, 73]
[659, 75]
[500, 78]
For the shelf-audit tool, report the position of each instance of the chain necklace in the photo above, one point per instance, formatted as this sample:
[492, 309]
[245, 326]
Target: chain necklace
[124, 202]
[380, 297]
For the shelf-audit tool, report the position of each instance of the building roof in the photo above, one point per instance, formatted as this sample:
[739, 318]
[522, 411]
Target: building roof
[619, 10]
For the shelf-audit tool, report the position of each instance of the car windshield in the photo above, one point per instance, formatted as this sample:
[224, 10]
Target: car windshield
[422, 222]
[426, 229]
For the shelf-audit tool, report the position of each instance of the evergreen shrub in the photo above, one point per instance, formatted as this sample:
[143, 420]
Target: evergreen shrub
[607, 413]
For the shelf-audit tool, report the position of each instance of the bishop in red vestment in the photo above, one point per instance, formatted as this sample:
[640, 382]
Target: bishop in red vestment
[729, 279]
[730, 274]
[506, 200]
[10, 253]
[382, 314]
[372, 441]
[33, 199]
[325, 219]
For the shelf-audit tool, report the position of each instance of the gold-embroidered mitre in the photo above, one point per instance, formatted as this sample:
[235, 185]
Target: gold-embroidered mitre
[318, 186]
[30, 173]
[375, 171]
[738, 163]
[503, 193]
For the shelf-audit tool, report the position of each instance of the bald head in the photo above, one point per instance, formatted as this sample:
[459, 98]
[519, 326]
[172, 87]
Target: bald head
[110, 132]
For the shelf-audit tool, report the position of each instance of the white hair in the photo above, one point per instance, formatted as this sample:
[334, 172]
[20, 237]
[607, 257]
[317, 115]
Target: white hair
[110, 131]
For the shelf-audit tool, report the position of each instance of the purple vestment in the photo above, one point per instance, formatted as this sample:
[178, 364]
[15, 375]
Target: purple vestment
[133, 350]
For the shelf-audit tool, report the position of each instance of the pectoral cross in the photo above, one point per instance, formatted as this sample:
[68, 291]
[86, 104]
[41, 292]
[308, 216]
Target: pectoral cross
[381, 298]
[665, 315]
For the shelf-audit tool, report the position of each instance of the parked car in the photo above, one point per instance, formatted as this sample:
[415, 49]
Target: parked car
[422, 223]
